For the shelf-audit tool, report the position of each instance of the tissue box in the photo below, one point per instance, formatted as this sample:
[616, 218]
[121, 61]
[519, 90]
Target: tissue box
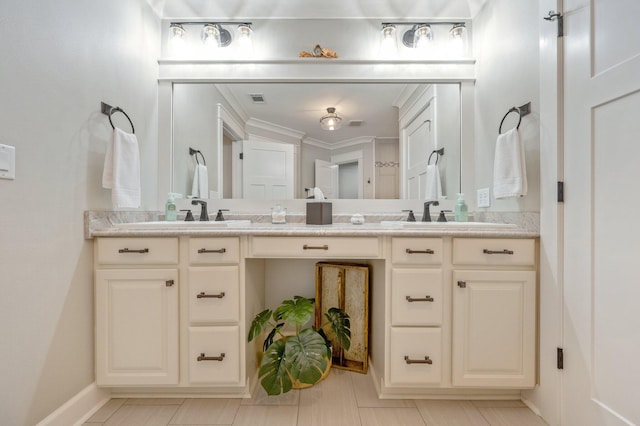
[319, 213]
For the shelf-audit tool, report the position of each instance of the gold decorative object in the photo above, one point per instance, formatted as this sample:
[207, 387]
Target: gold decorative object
[346, 286]
[319, 52]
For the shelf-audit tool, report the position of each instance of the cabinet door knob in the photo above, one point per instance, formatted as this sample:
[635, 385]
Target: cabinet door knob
[427, 251]
[203, 250]
[426, 360]
[505, 251]
[204, 357]
[202, 295]
[462, 284]
[169, 283]
[417, 299]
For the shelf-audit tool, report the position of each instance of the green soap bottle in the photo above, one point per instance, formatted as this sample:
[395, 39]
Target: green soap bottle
[461, 211]
[170, 210]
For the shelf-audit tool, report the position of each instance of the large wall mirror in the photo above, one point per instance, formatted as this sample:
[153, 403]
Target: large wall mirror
[264, 140]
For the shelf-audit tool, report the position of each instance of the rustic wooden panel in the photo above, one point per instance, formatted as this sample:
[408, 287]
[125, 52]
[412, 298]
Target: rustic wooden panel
[346, 286]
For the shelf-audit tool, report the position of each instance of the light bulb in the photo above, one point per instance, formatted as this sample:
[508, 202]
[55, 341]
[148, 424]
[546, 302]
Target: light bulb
[245, 44]
[176, 37]
[388, 45]
[211, 36]
[422, 36]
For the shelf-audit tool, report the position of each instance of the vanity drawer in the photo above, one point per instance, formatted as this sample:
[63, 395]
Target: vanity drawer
[214, 355]
[416, 296]
[204, 251]
[313, 247]
[415, 356]
[416, 251]
[494, 251]
[214, 294]
[137, 251]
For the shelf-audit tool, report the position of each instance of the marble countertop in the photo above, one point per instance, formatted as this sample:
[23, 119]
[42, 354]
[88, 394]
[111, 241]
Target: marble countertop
[105, 224]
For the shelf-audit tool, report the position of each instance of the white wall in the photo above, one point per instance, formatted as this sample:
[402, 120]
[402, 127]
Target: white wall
[59, 60]
[505, 36]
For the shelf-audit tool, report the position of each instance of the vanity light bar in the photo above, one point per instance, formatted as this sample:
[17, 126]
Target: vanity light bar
[420, 32]
[212, 32]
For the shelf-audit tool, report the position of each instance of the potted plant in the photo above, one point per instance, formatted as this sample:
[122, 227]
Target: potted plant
[303, 358]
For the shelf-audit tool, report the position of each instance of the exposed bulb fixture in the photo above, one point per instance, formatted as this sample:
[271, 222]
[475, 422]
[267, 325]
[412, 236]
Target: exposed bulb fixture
[389, 44]
[176, 36]
[457, 37]
[331, 121]
[211, 36]
[244, 38]
[421, 34]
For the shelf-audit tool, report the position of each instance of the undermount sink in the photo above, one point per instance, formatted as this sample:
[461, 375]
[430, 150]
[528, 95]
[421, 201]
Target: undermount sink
[183, 224]
[456, 225]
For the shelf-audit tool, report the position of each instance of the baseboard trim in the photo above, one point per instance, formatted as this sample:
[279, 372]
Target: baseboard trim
[79, 408]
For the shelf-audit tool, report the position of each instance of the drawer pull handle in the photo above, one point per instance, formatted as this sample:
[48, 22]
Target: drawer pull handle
[203, 250]
[203, 357]
[308, 247]
[462, 284]
[169, 283]
[425, 299]
[505, 251]
[202, 295]
[427, 251]
[426, 360]
[126, 250]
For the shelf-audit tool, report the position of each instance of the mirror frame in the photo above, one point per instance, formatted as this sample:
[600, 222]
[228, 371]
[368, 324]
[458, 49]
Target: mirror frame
[314, 71]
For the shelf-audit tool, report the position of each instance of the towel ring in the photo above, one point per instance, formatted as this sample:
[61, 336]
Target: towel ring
[118, 109]
[438, 153]
[196, 152]
[512, 109]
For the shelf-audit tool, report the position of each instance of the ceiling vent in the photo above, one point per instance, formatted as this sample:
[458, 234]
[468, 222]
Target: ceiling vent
[257, 98]
[355, 123]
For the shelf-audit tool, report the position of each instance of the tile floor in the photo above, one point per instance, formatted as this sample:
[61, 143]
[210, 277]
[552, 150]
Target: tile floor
[343, 399]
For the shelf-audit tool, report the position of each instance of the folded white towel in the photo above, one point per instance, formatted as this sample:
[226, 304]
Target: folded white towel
[433, 187]
[317, 194]
[509, 168]
[121, 171]
[200, 186]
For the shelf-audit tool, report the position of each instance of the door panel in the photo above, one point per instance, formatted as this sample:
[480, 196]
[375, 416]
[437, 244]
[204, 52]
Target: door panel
[601, 320]
[268, 170]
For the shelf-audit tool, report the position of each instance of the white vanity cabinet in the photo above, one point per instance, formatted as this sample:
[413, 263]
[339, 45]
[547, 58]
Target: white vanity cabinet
[212, 305]
[494, 313]
[415, 335]
[136, 301]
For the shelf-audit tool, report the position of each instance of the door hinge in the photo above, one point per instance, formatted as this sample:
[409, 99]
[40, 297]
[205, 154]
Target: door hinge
[242, 155]
[556, 16]
[560, 192]
[560, 359]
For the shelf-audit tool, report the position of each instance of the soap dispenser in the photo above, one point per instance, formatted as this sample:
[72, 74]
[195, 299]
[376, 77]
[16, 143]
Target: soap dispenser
[462, 211]
[170, 210]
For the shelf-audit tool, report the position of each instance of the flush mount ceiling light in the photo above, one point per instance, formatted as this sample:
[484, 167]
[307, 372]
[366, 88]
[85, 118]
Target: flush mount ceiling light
[331, 121]
[213, 34]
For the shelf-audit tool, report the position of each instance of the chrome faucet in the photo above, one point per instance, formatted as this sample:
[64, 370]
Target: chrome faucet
[426, 216]
[204, 215]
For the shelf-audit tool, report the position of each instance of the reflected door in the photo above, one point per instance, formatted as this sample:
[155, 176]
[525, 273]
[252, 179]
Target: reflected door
[326, 178]
[419, 142]
[267, 170]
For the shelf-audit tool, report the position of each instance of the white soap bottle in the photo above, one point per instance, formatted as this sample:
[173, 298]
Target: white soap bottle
[170, 210]
[461, 210]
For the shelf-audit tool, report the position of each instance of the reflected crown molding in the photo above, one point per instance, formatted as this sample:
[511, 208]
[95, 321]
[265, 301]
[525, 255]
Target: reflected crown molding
[342, 144]
[254, 123]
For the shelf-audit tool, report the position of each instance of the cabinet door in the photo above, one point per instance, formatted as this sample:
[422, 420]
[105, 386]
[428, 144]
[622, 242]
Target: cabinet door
[494, 328]
[137, 327]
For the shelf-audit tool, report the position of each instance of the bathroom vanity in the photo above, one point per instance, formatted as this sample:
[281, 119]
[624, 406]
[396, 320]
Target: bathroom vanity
[452, 309]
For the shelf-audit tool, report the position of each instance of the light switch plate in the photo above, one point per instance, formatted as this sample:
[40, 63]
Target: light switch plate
[483, 198]
[7, 162]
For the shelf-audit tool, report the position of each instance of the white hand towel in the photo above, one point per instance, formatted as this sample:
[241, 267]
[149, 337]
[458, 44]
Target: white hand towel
[121, 171]
[317, 194]
[509, 168]
[433, 187]
[200, 186]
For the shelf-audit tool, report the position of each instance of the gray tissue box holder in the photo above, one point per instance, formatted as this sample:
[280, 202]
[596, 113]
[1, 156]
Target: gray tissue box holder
[319, 213]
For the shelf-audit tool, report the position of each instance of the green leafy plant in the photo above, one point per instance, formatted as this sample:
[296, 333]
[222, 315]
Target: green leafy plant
[301, 358]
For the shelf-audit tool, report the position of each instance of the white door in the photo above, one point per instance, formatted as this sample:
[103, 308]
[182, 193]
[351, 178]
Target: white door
[418, 142]
[601, 323]
[267, 171]
[326, 178]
